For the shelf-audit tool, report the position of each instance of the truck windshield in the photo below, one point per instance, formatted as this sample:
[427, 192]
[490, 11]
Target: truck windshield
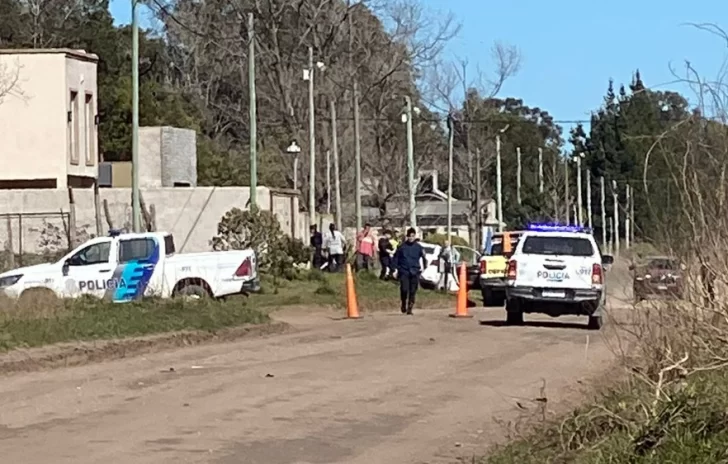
[548, 245]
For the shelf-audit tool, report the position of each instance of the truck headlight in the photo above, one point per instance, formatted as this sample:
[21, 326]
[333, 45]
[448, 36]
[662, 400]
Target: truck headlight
[10, 280]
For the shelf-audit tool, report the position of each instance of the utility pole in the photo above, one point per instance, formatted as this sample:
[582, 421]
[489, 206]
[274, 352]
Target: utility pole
[135, 203]
[450, 148]
[410, 163]
[631, 214]
[479, 221]
[328, 181]
[337, 179]
[567, 199]
[498, 186]
[253, 115]
[312, 144]
[357, 157]
[615, 197]
[579, 201]
[540, 170]
[588, 199]
[604, 212]
[627, 224]
[518, 175]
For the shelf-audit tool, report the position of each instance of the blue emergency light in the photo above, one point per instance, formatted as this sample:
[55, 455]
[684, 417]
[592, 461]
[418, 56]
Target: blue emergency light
[558, 228]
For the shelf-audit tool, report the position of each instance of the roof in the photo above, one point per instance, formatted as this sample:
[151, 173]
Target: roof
[81, 55]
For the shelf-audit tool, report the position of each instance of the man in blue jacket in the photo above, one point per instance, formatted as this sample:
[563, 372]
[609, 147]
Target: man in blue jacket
[409, 260]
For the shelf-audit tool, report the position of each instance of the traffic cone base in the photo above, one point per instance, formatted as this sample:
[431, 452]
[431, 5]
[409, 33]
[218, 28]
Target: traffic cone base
[461, 309]
[352, 308]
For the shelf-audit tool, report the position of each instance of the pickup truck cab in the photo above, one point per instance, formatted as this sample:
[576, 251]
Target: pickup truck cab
[493, 265]
[126, 267]
[557, 270]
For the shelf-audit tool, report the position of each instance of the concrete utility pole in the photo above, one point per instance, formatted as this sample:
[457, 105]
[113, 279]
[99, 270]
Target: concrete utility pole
[357, 156]
[311, 143]
[540, 170]
[603, 210]
[615, 197]
[567, 199]
[337, 179]
[631, 214]
[253, 115]
[135, 203]
[579, 201]
[518, 175]
[498, 180]
[627, 224]
[410, 163]
[478, 199]
[588, 199]
[450, 148]
[328, 181]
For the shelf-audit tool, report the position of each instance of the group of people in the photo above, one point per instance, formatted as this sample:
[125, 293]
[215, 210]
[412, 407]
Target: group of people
[406, 260]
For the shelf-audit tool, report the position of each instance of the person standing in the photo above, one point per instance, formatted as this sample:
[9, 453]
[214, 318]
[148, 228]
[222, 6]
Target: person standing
[409, 260]
[385, 254]
[334, 242]
[317, 242]
[364, 247]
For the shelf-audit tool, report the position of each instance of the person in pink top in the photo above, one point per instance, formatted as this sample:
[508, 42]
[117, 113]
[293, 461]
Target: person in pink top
[364, 247]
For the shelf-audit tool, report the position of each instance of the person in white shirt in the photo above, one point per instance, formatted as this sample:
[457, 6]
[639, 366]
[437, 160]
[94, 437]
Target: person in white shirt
[335, 244]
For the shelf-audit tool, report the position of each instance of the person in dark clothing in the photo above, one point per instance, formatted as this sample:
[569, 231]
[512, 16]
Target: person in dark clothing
[409, 260]
[385, 254]
[317, 242]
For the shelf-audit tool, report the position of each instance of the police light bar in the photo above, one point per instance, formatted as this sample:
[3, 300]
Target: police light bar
[114, 232]
[558, 228]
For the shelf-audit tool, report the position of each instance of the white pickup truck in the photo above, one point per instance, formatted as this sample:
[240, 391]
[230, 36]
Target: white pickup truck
[557, 270]
[126, 267]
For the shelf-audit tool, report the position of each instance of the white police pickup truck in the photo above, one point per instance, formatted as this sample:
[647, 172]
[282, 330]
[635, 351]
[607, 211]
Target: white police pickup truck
[126, 267]
[556, 270]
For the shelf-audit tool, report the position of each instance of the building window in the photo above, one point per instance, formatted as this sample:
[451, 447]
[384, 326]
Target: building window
[90, 130]
[73, 123]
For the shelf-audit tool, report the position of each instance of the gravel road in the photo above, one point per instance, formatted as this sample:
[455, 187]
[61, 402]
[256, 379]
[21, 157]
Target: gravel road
[384, 389]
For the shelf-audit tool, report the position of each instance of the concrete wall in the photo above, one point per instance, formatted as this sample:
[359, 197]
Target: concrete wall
[35, 142]
[191, 214]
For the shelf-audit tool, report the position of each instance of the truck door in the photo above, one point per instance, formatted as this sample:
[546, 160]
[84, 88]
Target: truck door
[89, 270]
[137, 269]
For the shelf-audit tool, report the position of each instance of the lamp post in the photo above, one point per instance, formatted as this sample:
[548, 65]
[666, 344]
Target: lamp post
[295, 150]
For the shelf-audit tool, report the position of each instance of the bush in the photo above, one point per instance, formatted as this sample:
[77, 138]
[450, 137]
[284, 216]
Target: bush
[261, 231]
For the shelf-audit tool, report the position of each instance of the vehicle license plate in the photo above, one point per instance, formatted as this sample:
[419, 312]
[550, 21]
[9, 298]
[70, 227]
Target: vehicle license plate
[552, 294]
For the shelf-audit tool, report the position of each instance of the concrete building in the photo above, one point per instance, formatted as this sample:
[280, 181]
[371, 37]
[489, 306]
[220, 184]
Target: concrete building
[48, 119]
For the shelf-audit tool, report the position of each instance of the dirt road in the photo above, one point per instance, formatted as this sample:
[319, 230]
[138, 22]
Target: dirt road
[385, 389]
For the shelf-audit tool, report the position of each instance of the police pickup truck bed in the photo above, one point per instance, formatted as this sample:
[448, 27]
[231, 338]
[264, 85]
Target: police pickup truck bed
[125, 267]
[556, 271]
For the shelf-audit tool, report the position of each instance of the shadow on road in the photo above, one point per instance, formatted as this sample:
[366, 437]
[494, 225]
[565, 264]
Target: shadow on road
[549, 324]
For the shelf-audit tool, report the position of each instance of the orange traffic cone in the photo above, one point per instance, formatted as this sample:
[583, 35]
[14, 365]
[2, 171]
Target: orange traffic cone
[461, 310]
[352, 308]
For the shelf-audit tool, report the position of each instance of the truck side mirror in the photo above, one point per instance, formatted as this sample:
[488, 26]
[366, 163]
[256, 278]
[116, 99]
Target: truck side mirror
[65, 267]
[607, 260]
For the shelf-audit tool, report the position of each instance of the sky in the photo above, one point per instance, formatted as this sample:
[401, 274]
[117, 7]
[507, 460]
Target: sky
[571, 48]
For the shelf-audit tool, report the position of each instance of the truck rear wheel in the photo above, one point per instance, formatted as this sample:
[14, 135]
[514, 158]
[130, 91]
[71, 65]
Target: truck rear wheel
[493, 298]
[195, 292]
[514, 315]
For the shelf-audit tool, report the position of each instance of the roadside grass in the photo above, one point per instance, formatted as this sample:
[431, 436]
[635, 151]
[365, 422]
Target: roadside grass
[627, 425]
[316, 288]
[45, 319]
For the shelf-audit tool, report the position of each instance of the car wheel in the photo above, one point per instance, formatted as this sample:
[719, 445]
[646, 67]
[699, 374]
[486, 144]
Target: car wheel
[595, 323]
[486, 297]
[193, 292]
[514, 315]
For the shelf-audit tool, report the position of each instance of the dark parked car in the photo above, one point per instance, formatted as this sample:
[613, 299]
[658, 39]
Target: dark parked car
[657, 276]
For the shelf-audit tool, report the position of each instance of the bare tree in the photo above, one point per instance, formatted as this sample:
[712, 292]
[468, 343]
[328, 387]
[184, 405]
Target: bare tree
[10, 81]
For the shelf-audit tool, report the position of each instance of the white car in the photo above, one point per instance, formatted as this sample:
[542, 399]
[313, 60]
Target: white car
[557, 270]
[431, 274]
[125, 267]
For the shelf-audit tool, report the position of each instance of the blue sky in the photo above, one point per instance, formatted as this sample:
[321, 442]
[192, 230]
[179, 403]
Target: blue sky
[571, 48]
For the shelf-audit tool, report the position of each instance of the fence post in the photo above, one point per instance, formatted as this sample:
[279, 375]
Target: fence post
[71, 220]
[9, 245]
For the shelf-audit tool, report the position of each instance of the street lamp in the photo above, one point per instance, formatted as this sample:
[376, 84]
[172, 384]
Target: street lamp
[308, 75]
[580, 213]
[295, 150]
[499, 180]
[407, 119]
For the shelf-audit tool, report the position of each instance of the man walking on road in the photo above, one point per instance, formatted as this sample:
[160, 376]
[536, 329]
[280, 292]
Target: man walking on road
[409, 259]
